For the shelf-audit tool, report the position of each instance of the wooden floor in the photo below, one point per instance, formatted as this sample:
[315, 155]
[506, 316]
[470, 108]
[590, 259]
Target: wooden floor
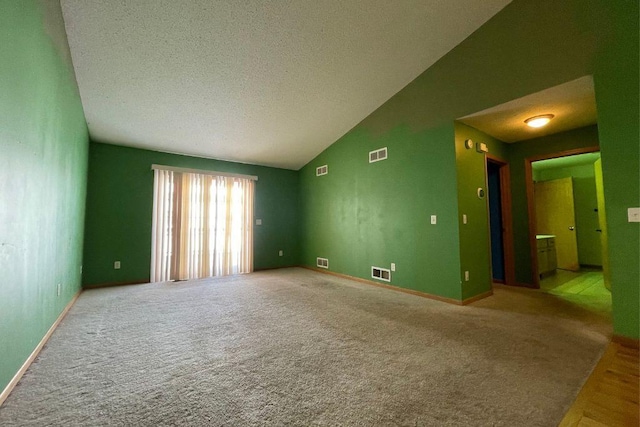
[610, 395]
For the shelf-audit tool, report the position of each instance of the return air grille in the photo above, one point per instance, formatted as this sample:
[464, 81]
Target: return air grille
[377, 155]
[381, 274]
[322, 262]
[322, 170]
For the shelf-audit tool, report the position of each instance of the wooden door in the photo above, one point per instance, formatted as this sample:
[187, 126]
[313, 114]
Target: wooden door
[555, 214]
[602, 221]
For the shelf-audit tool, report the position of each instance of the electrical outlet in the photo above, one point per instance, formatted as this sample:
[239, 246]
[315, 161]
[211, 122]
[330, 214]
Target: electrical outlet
[58, 288]
[434, 219]
[464, 218]
[116, 265]
[466, 276]
[393, 266]
[280, 252]
[258, 222]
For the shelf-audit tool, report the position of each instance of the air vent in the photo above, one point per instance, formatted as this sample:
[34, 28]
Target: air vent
[322, 262]
[377, 155]
[381, 274]
[322, 170]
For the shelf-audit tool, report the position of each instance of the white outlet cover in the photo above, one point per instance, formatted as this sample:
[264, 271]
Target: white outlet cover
[393, 266]
[434, 219]
[116, 265]
[464, 218]
[258, 222]
[633, 214]
[280, 253]
[466, 276]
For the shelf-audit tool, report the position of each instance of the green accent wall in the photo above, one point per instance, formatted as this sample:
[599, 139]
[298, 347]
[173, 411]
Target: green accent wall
[43, 163]
[120, 206]
[525, 48]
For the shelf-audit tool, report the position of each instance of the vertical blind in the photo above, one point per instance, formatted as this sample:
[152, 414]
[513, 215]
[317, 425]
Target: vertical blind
[202, 225]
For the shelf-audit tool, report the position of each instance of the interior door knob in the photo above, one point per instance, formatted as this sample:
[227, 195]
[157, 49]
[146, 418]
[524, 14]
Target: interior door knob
[571, 227]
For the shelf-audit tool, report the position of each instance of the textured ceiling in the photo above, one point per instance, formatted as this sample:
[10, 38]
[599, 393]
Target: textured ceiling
[573, 104]
[263, 82]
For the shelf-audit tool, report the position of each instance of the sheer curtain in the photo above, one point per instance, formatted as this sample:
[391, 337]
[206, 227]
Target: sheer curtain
[202, 225]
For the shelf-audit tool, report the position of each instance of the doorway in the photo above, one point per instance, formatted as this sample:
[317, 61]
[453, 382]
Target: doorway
[500, 228]
[565, 216]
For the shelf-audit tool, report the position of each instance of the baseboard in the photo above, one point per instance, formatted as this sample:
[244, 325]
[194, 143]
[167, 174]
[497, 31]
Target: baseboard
[477, 297]
[108, 285]
[16, 378]
[626, 341]
[591, 266]
[394, 288]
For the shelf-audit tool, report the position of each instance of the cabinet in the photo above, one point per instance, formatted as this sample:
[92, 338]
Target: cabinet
[547, 259]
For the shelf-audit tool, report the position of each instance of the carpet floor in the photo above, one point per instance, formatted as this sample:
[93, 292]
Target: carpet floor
[296, 347]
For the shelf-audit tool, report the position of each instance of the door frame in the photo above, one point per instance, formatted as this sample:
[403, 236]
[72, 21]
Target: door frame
[531, 207]
[507, 219]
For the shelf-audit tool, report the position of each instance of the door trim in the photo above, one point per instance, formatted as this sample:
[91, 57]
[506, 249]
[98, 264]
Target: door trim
[531, 208]
[507, 220]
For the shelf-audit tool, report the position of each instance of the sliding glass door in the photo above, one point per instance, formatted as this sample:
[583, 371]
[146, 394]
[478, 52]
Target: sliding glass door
[202, 225]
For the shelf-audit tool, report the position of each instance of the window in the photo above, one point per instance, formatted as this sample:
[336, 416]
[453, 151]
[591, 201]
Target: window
[202, 224]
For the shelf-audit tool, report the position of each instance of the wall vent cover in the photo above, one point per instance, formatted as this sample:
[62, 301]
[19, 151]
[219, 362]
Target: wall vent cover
[377, 155]
[381, 274]
[322, 262]
[322, 170]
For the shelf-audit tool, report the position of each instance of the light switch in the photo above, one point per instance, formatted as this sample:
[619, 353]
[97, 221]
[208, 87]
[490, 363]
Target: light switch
[633, 214]
[464, 218]
[434, 219]
[116, 265]
[258, 222]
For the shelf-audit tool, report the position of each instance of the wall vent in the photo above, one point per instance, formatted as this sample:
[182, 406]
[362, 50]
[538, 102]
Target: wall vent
[322, 262]
[377, 155]
[381, 274]
[322, 170]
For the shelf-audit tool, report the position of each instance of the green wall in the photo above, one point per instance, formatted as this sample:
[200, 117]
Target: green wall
[373, 214]
[120, 205]
[585, 206]
[525, 48]
[475, 249]
[43, 161]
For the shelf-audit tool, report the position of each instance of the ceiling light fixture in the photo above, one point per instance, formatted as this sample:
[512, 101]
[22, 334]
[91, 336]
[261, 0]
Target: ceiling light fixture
[539, 121]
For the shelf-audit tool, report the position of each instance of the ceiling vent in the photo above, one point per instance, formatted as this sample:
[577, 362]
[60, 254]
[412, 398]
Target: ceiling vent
[322, 262]
[381, 274]
[322, 170]
[377, 155]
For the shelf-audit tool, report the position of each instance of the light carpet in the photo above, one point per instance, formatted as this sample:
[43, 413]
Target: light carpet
[296, 347]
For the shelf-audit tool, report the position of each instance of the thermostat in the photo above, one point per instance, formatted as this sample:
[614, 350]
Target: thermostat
[481, 147]
[468, 143]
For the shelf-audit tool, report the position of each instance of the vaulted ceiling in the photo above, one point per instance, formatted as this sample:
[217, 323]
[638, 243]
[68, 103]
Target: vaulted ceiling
[262, 82]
